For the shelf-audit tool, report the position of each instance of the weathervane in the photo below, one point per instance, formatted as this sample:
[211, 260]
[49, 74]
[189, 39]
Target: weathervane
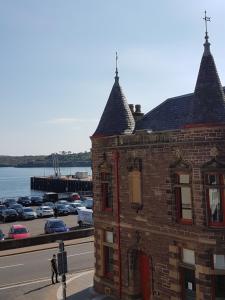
[116, 65]
[207, 19]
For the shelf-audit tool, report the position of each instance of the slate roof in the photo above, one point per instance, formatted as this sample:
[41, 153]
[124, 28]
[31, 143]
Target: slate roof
[117, 117]
[205, 106]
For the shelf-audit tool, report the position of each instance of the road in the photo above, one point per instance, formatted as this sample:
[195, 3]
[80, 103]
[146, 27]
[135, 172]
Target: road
[33, 269]
[36, 226]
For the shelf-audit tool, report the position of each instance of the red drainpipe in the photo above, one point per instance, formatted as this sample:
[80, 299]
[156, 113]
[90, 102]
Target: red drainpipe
[116, 160]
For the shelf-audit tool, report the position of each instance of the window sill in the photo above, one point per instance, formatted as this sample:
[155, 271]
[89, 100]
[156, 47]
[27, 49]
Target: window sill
[185, 222]
[109, 276]
[107, 210]
[216, 226]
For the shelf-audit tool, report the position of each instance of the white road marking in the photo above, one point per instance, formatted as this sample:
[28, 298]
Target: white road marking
[11, 266]
[23, 283]
[77, 254]
[59, 292]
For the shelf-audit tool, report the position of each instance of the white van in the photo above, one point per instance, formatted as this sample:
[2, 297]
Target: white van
[85, 217]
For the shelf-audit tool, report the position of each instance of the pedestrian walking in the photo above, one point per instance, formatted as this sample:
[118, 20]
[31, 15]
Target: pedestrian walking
[54, 269]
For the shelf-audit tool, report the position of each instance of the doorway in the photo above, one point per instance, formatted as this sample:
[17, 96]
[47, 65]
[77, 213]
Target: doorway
[145, 276]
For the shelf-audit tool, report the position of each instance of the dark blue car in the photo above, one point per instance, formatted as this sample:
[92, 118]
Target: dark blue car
[55, 225]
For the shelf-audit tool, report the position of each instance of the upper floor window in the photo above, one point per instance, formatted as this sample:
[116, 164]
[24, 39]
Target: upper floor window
[106, 191]
[135, 183]
[183, 198]
[214, 184]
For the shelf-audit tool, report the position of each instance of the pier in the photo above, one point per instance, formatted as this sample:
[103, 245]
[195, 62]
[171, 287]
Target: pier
[61, 184]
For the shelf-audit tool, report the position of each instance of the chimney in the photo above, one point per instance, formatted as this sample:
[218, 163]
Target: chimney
[137, 114]
[131, 108]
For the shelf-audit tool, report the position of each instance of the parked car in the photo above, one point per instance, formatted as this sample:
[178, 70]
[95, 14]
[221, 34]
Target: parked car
[2, 207]
[28, 213]
[88, 202]
[62, 202]
[75, 206]
[18, 207]
[2, 236]
[9, 202]
[18, 232]
[50, 204]
[36, 200]
[74, 197]
[9, 215]
[25, 201]
[61, 210]
[44, 211]
[55, 225]
[50, 197]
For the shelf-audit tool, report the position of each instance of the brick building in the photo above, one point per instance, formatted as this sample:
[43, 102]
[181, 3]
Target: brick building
[159, 184]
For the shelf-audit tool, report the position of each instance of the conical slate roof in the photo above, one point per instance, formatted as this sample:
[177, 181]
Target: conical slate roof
[209, 105]
[205, 106]
[117, 117]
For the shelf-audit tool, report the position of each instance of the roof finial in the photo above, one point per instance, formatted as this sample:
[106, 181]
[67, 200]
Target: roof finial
[116, 77]
[206, 44]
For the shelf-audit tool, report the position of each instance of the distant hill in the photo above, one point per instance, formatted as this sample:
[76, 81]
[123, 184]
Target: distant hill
[66, 159]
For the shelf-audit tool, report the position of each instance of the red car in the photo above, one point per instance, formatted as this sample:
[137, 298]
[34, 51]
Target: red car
[74, 197]
[18, 232]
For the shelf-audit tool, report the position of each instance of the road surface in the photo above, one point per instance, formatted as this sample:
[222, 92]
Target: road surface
[24, 274]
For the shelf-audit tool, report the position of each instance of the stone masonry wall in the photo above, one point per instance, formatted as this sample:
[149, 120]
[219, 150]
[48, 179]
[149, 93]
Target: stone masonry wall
[154, 229]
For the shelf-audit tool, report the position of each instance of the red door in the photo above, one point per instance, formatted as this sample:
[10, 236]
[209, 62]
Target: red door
[145, 278]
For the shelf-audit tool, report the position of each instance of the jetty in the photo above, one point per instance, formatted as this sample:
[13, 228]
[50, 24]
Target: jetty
[62, 184]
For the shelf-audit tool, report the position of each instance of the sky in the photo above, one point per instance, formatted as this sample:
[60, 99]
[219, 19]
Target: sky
[57, 63]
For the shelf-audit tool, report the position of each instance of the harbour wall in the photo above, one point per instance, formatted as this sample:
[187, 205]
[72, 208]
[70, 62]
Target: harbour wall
[60, 185]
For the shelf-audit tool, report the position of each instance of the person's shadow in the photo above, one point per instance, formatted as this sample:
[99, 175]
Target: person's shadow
[37, 289]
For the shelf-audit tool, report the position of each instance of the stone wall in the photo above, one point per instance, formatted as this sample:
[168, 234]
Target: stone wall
[154, 229]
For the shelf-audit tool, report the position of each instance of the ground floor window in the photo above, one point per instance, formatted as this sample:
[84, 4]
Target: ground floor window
[219, 277]
[188, 274]
[219, 287]
[188, 284]
[108, 254]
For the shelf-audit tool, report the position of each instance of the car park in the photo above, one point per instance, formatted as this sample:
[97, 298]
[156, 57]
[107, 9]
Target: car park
[44, 211]
[9, 215]
[55, 225]
[18, 208]
[2, 236]
[61, 210]
[9, 202]
[25, 201]
[28, 214]
[36, 200]
[18, 232]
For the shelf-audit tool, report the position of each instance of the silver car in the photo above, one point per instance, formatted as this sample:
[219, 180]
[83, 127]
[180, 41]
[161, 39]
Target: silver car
[28, 213]
[44, 211]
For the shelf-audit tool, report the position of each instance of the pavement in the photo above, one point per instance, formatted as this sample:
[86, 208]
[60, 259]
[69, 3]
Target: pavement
[80, 287]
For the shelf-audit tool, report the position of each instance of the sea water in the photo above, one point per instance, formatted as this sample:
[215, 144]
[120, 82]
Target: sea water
[15, 182]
